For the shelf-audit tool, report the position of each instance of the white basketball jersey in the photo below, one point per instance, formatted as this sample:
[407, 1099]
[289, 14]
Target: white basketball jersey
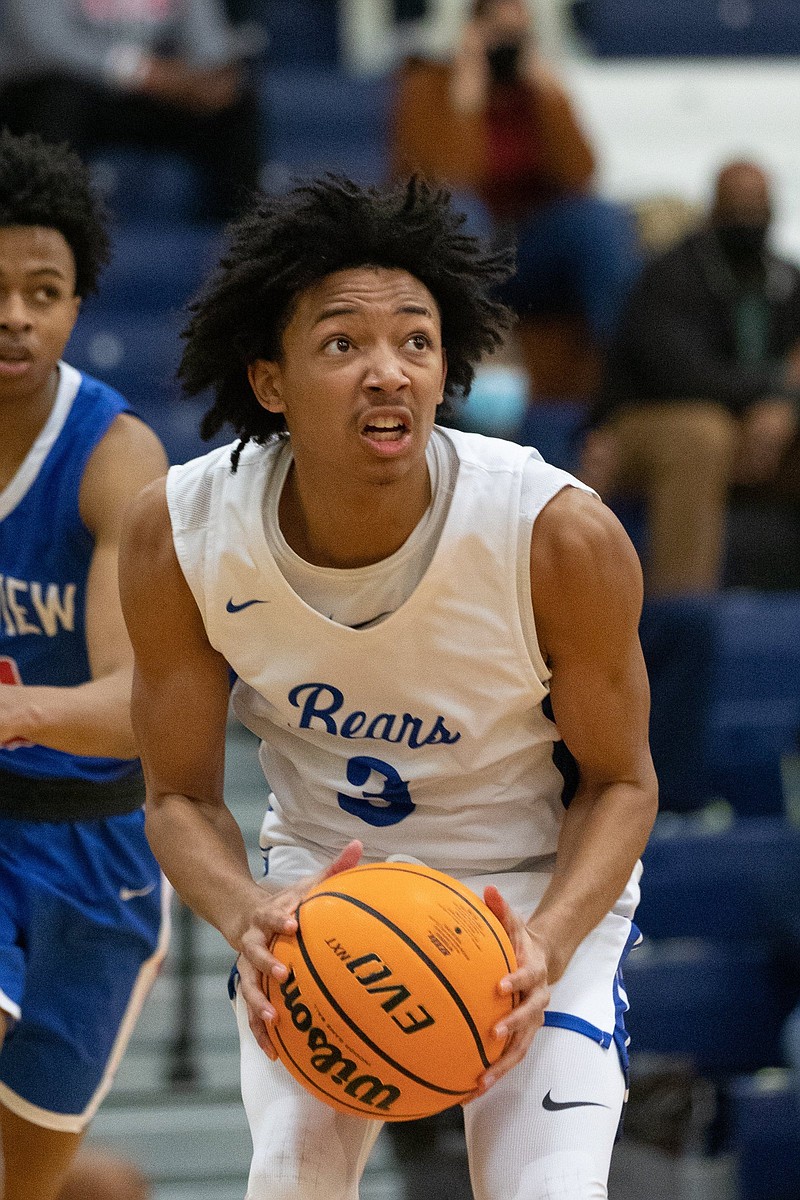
[421, 735]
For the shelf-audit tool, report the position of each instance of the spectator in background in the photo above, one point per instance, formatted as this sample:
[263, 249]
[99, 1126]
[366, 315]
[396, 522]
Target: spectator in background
[506, 128]
[101, 1175]
[166, 74]
[702, 386]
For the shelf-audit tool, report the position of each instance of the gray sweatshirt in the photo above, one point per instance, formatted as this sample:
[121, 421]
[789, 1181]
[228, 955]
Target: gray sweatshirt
[104, 41]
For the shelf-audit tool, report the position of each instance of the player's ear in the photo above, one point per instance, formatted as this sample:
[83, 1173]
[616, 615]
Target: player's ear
[444, 375]
[265, 380]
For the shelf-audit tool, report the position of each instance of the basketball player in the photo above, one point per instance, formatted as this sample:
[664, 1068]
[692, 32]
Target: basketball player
[82, 919]
[423, 624]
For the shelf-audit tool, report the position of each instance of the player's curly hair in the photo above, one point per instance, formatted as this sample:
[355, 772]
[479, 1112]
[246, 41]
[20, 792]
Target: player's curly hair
[289, 242]
[46, 184]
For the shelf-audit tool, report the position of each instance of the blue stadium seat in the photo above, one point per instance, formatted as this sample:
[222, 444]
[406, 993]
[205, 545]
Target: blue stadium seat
[302, 32]
[765, 1113]
[325, 120]
[757, 679]
[553, 427]
[725, 677]
[718, 1005]
[705, 28]
[724, 885]
[138, 354]
[155, 266]
[140, 184]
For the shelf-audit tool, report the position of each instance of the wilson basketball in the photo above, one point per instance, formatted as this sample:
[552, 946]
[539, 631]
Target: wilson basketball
[392, 996]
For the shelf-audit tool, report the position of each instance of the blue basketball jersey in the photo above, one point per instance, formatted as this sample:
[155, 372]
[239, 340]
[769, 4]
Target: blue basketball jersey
[45, 554]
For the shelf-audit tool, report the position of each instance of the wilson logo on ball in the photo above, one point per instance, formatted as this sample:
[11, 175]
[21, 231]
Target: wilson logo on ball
[393, 991]
[327, 1059]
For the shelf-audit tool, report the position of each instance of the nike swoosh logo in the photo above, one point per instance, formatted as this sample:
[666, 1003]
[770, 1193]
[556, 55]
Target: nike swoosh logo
[558, 1106]
[132, 893]
[234, 608]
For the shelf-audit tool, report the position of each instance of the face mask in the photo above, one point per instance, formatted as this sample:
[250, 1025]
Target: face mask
[742, 242]
[504, 62]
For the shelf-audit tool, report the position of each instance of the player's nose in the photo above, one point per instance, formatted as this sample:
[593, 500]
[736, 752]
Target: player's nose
[14, 314]
[385, 371]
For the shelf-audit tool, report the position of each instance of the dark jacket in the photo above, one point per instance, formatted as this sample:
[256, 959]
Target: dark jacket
[677, 336]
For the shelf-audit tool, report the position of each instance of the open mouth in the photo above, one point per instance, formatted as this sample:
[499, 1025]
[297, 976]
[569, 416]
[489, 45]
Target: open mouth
[385, 429]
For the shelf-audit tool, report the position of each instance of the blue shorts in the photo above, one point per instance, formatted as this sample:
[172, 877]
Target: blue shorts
[84, 924]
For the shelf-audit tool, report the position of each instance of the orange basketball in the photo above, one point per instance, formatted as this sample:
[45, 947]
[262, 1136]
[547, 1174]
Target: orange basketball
[392, 994]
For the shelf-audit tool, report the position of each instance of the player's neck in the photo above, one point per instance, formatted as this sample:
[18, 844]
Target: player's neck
[23, 417]
[353, 527]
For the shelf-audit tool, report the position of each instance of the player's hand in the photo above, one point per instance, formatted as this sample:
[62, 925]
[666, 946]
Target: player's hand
[260, 1013]
[270, 916]
[528, 983]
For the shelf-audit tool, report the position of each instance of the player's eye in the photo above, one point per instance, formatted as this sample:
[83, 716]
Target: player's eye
[46, 295]
[338, 345]
[419, 341]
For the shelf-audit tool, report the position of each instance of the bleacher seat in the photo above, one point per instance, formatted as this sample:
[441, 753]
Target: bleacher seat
[155, 266]
[766, 1134]
[302, 32]
[710, 982]
[717, 1004]
[324, 120]
[727, 710]
[138, 354]
[704, 28]
[553, 427]
[142, 185]
[719, 885]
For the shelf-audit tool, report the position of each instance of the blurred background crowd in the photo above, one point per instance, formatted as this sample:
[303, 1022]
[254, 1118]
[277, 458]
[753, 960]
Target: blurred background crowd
[642, 156]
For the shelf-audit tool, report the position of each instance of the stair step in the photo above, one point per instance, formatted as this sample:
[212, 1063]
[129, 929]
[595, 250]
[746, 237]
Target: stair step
[145, 1071]
[180, 1141]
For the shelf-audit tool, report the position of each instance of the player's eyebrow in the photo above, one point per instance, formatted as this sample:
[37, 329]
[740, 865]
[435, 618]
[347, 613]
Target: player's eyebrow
[342, 310]
[47, 271]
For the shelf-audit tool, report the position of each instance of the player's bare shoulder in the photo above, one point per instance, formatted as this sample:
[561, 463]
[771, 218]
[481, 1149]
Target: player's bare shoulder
[127, 458]
[584, 568]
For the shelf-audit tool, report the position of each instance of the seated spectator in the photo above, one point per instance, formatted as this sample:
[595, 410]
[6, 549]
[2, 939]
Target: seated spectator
[505, 129]
[163, 74]
[702, 386]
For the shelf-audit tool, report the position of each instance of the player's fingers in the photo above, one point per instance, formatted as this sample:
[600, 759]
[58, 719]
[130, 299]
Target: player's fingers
[349, 857]
[529, 1013]
[510, 920]
[504, 913]
[257, 949]
[260, 1013]
[515, 1051]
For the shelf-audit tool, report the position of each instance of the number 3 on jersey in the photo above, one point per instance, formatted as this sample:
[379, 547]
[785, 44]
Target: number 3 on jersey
[9, 674]
[391, 804]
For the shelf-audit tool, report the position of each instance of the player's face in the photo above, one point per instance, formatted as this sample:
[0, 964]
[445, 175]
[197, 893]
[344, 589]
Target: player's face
[38, 307]
[361, 374]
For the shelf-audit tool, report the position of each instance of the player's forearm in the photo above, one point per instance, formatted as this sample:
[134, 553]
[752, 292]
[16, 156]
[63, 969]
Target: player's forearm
[201, 851]
[89, 719]
[603, 835]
